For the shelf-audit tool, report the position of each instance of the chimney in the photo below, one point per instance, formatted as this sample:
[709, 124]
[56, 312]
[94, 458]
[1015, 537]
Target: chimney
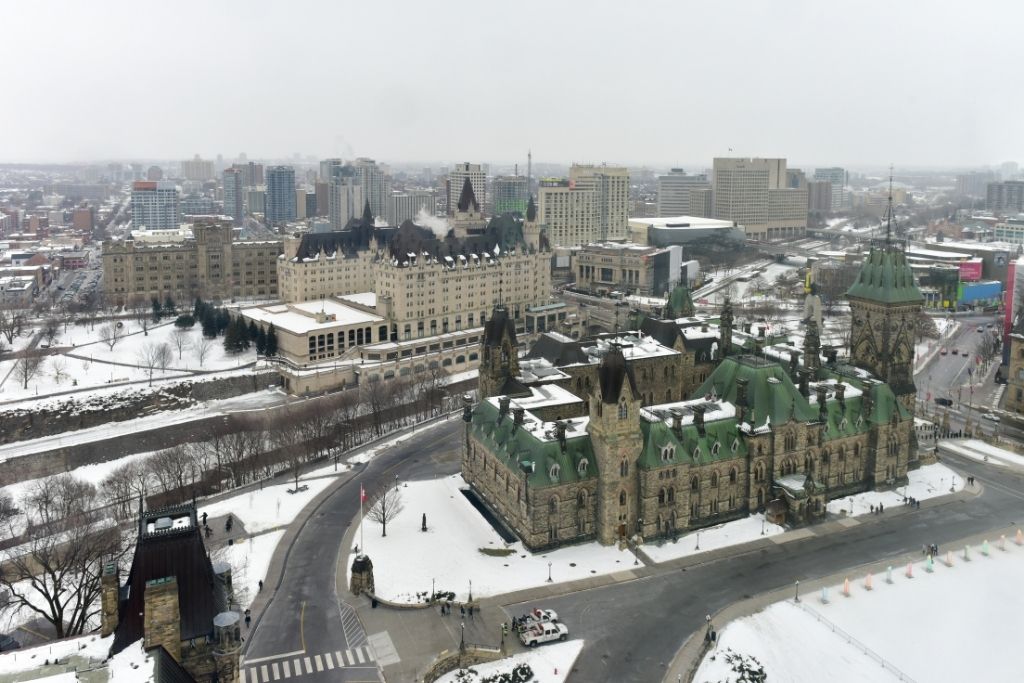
[677, 421]
[698, 418]
[517, 416]
[704, 327]
[560, 434]
[746, 327]
[841, 394]
[503, 406]
[741, 397]
[831, 355]
[794, 361]
[161, 616]
[804, 374]
[822, 391]
[109, 586]
[467, 407]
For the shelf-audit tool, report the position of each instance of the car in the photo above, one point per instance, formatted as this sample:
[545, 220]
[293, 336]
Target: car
[941, 401]
[540, 616]
[944, 351]
[980, 328]
[991, 416]
[954, 351]
[991, 326]
[544, 633]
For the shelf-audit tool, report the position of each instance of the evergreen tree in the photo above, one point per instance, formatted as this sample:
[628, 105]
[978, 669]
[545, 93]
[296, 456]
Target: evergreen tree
[242, 332]
[223, 320]
[209, 323]
[198, 308]
[271, 341]
[261, 342]
[231, 339]
[169, 306]
[157, 311]
[253, 330]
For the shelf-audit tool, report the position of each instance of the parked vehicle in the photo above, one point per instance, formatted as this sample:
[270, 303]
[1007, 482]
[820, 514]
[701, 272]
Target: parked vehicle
[540, 616]
[544, 633]
[991, 416]
[944, 351]
[954, 352]
[939, 400]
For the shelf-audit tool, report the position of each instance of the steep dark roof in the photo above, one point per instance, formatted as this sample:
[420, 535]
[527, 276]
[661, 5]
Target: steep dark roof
[612, 373]
[367, 214]
[497, 326]
[514, 388]
[166, 669]
[886, 277]
[504, 232]
[531, 210]
[177, 552]
[557, 351]
[468, 199]
[665, 332]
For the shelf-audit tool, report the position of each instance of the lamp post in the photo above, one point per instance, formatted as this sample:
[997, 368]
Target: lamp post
[462, 638]
[431, 590]
[471, 589]
[762, 526]
[549, 572]
[697, 547]
[797, 598]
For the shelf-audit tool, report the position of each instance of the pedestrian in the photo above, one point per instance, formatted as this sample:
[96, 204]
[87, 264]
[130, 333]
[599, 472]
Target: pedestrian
[204, 519]
[918, 504]
[924, 550]
[881, 508]
[872, 509]
[261, 584]
[462, 611]
[248, 620]
[208, 531]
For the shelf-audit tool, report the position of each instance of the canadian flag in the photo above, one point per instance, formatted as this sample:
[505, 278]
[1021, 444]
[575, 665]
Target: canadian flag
[362, 494]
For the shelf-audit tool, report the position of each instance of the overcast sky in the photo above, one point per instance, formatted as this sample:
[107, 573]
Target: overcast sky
[825, 82]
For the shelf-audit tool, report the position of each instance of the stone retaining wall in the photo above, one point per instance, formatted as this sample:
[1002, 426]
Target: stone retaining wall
[450, 661]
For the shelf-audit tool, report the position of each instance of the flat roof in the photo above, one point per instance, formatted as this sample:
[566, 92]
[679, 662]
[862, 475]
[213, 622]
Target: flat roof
[368, 299]
[680, 222]
[301, 318]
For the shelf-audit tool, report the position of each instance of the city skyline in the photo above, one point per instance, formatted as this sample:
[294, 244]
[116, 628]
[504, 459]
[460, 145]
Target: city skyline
[857, 85]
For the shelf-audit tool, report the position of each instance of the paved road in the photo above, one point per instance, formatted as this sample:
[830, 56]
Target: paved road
[306, 618]
[632, 630]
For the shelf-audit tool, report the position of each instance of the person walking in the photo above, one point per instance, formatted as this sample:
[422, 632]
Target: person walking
[462, 611]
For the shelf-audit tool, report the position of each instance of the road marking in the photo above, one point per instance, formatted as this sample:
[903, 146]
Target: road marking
[302, 627]
[241, 678]
[277, 671]
[298, 667]
[341, 660]
[257, 660]
[359, 654]
[287, 669]
[319, 663]
[263, 670]
[349, 658]
[329, 660]
[309, 665]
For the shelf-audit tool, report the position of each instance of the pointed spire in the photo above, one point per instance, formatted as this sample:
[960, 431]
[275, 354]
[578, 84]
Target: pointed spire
[531, 210]
[888, 212]
[468, 198]
[367, 214]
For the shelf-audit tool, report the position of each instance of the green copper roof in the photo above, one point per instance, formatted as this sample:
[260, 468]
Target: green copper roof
[721, 441]
[770, 391]
[680, 303]
[886, 277]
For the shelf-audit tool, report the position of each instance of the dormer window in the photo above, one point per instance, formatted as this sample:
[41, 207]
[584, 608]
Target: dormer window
[696, 453]
[715, 448]
[623, 410]
[582, 467]
[668, 453]
[843, 424]
[555, 469]
[735, 445]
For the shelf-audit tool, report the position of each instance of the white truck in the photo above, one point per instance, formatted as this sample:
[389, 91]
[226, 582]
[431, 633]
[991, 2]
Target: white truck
[543, 633]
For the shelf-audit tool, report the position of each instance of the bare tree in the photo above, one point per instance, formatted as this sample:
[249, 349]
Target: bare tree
[174, 469]
[55, 572]
[110, 334]
[203, 347]
[51, 330]
[142, 312]
[59, 365]
[149, 358]
[12, 323]
[181, 340]
[385, 504]
[27, 366]
[164, 356]
[375, 395]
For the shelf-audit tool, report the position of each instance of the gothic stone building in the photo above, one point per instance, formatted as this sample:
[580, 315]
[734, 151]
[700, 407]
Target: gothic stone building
[757, 434]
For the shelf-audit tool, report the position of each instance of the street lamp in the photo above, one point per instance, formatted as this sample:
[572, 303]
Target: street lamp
[431, 590]
[762, 526]
[549, 572]
[462, 638]
[797, 598]
[697, 547]
[471, 590]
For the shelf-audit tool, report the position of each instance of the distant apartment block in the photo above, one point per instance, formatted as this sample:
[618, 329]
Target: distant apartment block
[837, 177]
[679, 194]
[376, 185]
[1005, 197]
[457, 178]
[405, 205]
[975, 183]
[234, 194]
[280, 202]
[567, 212]
[610, 185]
[197, 169]
[508, 195]
[155, 205]
[753, 193]
[819, 196]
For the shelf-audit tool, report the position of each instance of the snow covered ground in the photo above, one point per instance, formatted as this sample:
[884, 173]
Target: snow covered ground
[450, 551]
[712, 538]
[92, 647]
[94, 474]
[979, 450]
[925, 482]
[131, 665]
[249, 559]
[269, 508]
[959, 623]
[550, 664]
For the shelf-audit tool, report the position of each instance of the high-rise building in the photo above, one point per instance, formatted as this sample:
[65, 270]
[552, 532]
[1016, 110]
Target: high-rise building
[819, 196]
[154, 173]
[327, 168]
[753, 193]
[300, 203]
[567, 212]
[155, 205]
[1005, 197]
[508, 195]
[1008, 170]
[837, 177]
[280, 194]
[256, 199]
[610, 186]
[376, 185]
[675, 193]
[456, 179]
[197, 169]
[234, 194]
[406, 205]
[975, 183]
[345, 196]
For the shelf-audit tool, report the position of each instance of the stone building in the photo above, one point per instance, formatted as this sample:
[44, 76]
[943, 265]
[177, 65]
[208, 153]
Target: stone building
[768, 429]
[207, 262]
[1014, 400]
[173, 597]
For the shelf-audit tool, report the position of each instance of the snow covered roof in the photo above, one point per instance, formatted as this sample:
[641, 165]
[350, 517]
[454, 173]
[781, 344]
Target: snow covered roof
[714, 410]
[368, 299]
[303, 318]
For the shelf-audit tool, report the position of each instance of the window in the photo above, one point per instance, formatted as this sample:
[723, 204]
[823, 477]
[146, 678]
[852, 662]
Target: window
[714, 479]
[553, 472]
[671, 494]
[735, 445]
[553, 506]
[623, 468]
[732, 475]
[582, 467]
[622, 497]
[661, 496]
[623, 410]
[790, 441]
[715, 447]
[668, 453]
[694, 484]
[581, 499]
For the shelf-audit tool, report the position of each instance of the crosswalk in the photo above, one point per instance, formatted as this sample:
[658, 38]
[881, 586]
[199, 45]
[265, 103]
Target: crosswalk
[296, 666]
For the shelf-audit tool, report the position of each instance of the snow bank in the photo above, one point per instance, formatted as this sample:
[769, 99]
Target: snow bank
[926, 482]
[712, 538]
[261, 510]
[92, 647]
[550, 664]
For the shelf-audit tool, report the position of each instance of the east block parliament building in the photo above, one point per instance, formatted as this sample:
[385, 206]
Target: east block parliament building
[570, 444]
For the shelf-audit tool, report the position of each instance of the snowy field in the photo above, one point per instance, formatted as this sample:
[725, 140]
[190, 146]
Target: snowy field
[450, 551]
[959, 623]
[925, 482]
[90, 362]
[267, 508]
[712, 538]
[131, 665]
[979, 450]
[550, 664]
[249, 559]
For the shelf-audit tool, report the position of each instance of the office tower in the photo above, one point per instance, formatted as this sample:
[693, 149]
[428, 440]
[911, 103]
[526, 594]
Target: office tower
[675, 190]
[256, 199]
[457, 178]
[376, 186]
[567, 212]
[796, 178]
[837, 177]
[300, 203]
[233, 195]
[975, 183]
[610, 186]
[155, 205]
[1008, 170]
[154, 173]
[310, 200]
[1005, 197]
[323, 201]
[345, 197]
[508, 195]
[753, 193]
[280, 194]
[406, 205]
[327, 168]
[197, 169]
[819, 196]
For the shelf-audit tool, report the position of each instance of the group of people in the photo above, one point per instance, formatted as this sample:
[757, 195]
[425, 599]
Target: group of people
[930, 550]
[877, 509]
[446, 609]
[970, 481]
[912, 502]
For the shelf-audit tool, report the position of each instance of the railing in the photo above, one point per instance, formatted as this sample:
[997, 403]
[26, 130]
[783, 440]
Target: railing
[856, 643]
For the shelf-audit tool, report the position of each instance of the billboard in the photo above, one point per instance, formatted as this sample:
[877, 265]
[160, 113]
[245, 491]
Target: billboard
[970, 270]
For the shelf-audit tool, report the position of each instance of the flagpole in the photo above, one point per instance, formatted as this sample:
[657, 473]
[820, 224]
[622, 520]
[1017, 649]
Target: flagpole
[361, 496]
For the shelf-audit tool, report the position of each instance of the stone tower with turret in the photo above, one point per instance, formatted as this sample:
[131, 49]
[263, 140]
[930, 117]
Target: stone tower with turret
[499, 362]
[617, 443]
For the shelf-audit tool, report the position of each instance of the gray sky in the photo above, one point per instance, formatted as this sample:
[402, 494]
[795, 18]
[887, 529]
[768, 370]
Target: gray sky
[826, 82]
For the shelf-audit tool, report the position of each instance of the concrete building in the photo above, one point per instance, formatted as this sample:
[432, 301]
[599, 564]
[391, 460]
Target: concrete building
[154, 173]
[819, 196]
[682, 230]
[280, 204]
[568, 213]
[256, 200]
[675, 190]
[604, 267]
[753, 193]
[457, 178]
[508, 195]
[376, 185]
[155, 205]
[1005, 197]
[406, 205]
[345, 196]
[975, 183]
[204, 261]
[234, 194]
[610, 186]
[328, 168]
[197, 169]
[837, 177]
[83, 218]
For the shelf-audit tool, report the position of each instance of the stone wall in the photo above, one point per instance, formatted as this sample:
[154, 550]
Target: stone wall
[450, 661]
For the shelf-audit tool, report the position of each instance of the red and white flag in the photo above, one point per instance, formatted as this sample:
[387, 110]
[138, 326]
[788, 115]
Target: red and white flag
[362, 494]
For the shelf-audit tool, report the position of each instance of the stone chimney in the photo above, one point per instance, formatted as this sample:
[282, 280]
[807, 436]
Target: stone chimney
[677, 421]
[517, 416]
[503, 406]
[161, 616]
[804, 374]
[822, 391]
[841, 394]
[560, 434]
[110, 583]
[794, 362]
[698, 418]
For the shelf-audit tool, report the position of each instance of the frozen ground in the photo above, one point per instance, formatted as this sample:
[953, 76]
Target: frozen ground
[712, 538]
[450, 551]
[925, 482]
[959, 623]
[979, 450]
[269, 508]
[249, 559]
[29, 659]
[550, 664]
[94, 474]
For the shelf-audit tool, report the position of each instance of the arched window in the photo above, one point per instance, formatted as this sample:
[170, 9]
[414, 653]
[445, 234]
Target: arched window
[661, 496]
[623, 410]
[694, 484]
[624, 468]
[842, 453]
[735, 445]
[668, 453]
[807, 463]
[554, 471]
[695, 510]
[671, 494]
[668, 396]
[582, 467]
[622, 497]
[581, 499]
[666, 373]
[715, 447]
[790, 441]
[856, 450]
[714, 479]
[732, 475]
[553, 505]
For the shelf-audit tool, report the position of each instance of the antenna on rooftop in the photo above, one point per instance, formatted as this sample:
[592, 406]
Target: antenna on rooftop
[888, 212]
